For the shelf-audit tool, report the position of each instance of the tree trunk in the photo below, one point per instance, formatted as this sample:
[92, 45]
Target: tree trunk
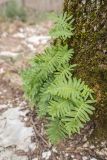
[90, 45]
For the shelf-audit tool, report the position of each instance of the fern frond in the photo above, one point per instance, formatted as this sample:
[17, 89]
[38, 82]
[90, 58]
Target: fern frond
[72, 126]
[44, 98]
[56, 131]
[68, 89]
[64, 72]
[78, 116]
[59, 108]
[30, 84]
[63, 26]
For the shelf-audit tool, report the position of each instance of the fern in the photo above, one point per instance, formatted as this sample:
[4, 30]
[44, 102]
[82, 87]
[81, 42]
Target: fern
[56, 131]
[50, 84]
[63, 26]
[59, 108]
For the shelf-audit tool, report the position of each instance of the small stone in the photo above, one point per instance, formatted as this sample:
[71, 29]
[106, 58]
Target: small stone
[44, 41]
[92, 146]
[84, 158]
[5, 34]
[19, 35]
[84, 139]
[86, 145]
[31, 47]
[83, 1]
[66, 154]
[4, 90]
[23, 104]
[25, 119]
[21, 30]
[54, 150]
[2, 70]
[46, 155]
[8, 54]
[3, 106]
[38, 39]
[93, 159]
[72, 156]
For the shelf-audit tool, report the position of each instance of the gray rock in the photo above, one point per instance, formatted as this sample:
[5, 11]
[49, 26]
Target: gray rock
[13, 132]
[10, 155]
[38, 39]
[8, 54]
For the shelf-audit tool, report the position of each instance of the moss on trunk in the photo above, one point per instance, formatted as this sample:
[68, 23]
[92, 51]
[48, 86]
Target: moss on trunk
[90, 44]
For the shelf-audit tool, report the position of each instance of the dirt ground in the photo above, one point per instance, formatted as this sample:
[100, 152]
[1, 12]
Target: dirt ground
[18, 43]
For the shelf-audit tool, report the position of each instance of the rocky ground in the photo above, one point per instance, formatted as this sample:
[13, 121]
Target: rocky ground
[22, 136]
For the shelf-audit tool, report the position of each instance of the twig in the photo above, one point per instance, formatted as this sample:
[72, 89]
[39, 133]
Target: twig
[37, 133]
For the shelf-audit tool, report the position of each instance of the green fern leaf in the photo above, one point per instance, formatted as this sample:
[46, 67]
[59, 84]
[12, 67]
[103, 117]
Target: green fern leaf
[59, 108]
[63, 26]
[67, 89]
[56, 131]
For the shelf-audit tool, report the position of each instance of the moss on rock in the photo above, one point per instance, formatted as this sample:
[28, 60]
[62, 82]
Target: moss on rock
[90, 45]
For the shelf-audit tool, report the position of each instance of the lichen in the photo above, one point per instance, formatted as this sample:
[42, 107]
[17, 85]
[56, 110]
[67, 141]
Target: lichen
[90, 45]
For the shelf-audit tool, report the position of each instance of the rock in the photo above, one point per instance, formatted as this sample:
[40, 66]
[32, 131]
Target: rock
[72, 156]
[31, 47]
[86, 145]
[92, 146]
[19, 35]
[21, 30]
[23, 104]
[44, 41]
[8, 54]
[10, 155]
[2, 70]
[54, 150]
[5, 34]
[46, 155]
[3, 106]
[93, 159]
[38, 39]
[84, 158]
[13, 132]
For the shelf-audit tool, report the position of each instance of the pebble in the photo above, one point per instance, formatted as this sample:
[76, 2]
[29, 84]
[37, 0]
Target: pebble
[2, 70]
[93, 159]
[86, 145]
[54, 150]
[3, 106]
[8, 54]
[46, 155]
[92, 146]
[84, 158]
[19, 35]
[31, 47]
[38, 39]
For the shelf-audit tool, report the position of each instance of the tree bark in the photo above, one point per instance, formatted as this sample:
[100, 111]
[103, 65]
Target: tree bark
[90, 45]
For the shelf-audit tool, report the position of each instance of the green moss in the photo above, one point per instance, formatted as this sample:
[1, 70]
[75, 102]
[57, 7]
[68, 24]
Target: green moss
[90, 44]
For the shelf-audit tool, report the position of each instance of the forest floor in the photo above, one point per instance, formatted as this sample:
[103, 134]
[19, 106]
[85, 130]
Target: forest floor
[22, 135]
